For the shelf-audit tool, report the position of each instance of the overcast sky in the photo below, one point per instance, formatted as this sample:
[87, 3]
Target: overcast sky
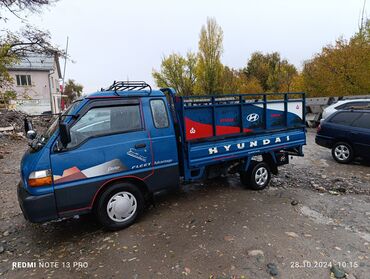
[119, 40]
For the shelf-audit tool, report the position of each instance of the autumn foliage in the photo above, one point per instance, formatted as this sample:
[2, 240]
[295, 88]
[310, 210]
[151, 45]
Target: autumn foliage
[338, 70]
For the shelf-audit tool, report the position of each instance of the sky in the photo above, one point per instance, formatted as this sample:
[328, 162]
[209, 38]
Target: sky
[125, 40]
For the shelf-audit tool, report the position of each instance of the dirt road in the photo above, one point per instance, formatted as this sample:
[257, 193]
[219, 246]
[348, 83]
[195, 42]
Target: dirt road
[315, 213]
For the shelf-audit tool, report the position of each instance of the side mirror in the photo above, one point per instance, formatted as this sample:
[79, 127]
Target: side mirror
[31, 134]
[27, 125]
[65, 135]
[28, 128]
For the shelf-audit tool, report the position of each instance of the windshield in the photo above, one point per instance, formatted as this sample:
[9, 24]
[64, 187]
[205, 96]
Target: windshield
[50, 131]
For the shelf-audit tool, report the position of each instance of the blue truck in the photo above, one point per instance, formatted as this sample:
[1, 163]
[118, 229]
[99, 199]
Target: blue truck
[113, 150]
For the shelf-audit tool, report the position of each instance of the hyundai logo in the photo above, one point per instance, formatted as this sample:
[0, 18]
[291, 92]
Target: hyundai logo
[253, 117]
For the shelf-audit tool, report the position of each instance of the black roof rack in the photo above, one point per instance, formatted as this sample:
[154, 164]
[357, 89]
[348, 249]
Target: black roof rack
[128, 86]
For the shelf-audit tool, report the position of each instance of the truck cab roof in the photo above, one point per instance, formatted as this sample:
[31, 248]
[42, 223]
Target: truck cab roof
[121, 89]
[123, 94]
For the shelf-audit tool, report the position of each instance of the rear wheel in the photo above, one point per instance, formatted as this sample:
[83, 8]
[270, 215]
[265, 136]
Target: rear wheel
[342, 153]
[119, 206]
[257, 177]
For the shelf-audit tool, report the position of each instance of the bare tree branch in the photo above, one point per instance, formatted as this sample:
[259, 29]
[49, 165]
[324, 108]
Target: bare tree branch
[29, 40]
[16, 7]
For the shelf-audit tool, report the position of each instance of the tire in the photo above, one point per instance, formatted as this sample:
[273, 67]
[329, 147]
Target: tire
[119, 206]
[257, 177]
[342, 153]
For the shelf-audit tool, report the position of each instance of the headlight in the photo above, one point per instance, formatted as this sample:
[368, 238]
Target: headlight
[40, 178]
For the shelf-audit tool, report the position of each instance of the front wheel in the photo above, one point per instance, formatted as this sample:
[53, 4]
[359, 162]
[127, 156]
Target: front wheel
[257, 177]
[119, 206]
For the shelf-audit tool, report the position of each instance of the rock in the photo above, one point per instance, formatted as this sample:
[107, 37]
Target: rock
[255, 253]
[258, 254]
[187, 270]
[228, 238]
[319, 188]
[272, 269]
[294, 202]
[6, 233]
[338, 273]
[292, 234]
[335, 193]
[260, 259]
[1, 249]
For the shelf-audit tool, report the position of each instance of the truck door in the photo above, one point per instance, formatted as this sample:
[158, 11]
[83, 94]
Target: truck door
[360, 135]
[108, 141]
[164, 145]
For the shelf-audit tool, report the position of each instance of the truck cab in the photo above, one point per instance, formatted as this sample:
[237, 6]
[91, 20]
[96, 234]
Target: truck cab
[113, 149]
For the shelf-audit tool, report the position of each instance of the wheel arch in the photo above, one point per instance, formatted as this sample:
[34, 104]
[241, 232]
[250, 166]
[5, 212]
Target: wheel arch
[344, 140]
[133, 180]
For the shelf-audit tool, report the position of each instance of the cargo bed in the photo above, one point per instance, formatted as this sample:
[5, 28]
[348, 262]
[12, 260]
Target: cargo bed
[216, 129]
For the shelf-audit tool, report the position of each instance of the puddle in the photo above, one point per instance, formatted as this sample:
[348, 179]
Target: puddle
[319, 218]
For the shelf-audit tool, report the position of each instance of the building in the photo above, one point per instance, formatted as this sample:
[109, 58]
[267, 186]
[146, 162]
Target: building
[36, 83]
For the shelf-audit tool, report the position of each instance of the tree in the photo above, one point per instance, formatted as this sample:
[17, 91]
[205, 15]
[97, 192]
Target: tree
[235, 81]
[273, 73]
[5, 61]
[287, 74]
[258, 68]
[205, 74]
[341, 69]
[250, 85]
[177, 72]
[73, 91]
[230, 80]
[297, 84]
[209, 67]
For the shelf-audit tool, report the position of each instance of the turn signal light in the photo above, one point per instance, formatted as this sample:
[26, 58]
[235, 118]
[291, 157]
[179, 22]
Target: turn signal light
[40, 178]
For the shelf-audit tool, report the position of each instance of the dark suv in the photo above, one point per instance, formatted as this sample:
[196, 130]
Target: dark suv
[347, 134]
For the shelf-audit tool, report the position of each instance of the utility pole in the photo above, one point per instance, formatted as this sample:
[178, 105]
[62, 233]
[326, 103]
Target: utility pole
[362, 23]
[65, 64]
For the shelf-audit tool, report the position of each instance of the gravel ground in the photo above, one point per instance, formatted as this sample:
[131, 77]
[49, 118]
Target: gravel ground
[315, 214]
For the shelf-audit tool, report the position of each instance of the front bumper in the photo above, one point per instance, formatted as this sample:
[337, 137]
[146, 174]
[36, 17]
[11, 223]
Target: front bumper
[37, 209]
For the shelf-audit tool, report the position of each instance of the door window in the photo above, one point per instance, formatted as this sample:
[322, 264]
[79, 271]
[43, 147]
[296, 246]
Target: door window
[159, 113]
[363, 121]
[104, 121]
[345, 118]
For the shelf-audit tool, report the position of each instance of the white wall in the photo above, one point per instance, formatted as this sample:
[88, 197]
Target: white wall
[35, 99]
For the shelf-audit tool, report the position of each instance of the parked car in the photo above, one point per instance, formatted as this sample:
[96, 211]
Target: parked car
[345, 105]
[347, 134]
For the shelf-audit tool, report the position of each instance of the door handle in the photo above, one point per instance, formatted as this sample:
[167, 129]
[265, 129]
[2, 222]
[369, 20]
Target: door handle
[140, 145]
